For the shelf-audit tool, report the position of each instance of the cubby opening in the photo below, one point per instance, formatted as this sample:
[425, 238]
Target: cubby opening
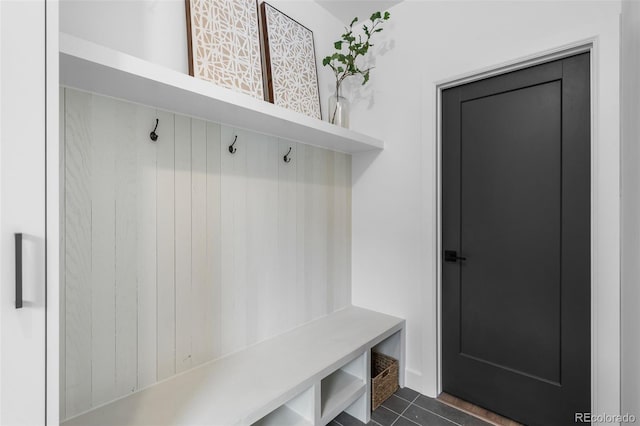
[297, 412]
[392, 346]
[343, 387]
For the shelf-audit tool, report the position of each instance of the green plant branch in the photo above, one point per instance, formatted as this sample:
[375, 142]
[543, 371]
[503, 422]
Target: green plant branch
[349, 48]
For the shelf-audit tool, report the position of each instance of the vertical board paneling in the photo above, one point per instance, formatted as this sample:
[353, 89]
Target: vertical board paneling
[165, 216]
[183, 257]
[146, 152]
[126, 313]
[78, 252]
[340, 251]
[332, 223]
[287, 235]
[263, 300]
[63, 269]
[322, 201]
[104, 123]
[349, 228]
[214, 245]
[316, 229]
[234, 240]
[178, 252]
[303, 287]
[201, 300]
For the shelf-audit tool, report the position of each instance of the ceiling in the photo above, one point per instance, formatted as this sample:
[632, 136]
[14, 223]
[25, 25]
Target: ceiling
[345, 11]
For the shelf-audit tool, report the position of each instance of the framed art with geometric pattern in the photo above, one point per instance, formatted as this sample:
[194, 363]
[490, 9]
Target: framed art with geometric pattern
[291, 77]
[224, 44]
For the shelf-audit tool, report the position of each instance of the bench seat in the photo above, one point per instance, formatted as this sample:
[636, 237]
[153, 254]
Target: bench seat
[242, 388]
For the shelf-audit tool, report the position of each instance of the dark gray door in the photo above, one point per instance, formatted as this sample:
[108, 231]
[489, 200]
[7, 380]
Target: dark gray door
[516, 242]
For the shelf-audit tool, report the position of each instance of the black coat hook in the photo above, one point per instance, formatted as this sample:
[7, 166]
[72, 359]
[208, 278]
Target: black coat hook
[287, 158]
[153, 135]
[232, 149]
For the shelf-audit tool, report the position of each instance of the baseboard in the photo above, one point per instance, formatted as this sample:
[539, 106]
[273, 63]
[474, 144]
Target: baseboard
[413, 380]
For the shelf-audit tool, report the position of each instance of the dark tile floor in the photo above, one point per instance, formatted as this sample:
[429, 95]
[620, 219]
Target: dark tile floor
[409, 408]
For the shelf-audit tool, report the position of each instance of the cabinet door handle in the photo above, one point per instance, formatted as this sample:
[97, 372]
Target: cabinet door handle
[18, 271]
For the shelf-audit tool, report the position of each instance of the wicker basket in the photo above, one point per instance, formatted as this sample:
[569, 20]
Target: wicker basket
[384, 373]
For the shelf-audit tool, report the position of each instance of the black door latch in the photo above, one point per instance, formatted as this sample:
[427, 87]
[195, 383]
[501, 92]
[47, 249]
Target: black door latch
[452, 256]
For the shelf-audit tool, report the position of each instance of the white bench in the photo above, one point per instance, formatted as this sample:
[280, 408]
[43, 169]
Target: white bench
[306, 376]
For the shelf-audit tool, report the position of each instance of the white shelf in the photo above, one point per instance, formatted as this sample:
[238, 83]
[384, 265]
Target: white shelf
[94, 68]
[338, 391]
[283, 416]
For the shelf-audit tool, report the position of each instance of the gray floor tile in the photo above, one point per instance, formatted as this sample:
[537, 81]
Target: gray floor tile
[415, 409]
[428, 403]
[424, 417]
[348, 420]
[395, 404]
[383, 416]
[403, 422]
[406, 393]
[449, 412]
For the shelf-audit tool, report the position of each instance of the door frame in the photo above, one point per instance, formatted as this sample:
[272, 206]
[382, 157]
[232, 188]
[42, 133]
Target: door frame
[599, 389]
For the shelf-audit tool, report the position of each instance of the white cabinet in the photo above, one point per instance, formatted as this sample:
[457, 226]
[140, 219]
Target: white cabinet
[22, 211]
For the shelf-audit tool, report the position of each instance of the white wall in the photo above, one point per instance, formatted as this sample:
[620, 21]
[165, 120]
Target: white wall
[155, 30]
[394, 213]
[176, 252]
[630, 104]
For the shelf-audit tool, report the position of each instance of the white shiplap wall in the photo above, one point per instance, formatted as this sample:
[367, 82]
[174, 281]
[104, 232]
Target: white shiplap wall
[177, 252]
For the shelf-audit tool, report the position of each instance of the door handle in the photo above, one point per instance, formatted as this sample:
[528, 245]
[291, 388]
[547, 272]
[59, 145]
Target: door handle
[18, 238]
[452, 256]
